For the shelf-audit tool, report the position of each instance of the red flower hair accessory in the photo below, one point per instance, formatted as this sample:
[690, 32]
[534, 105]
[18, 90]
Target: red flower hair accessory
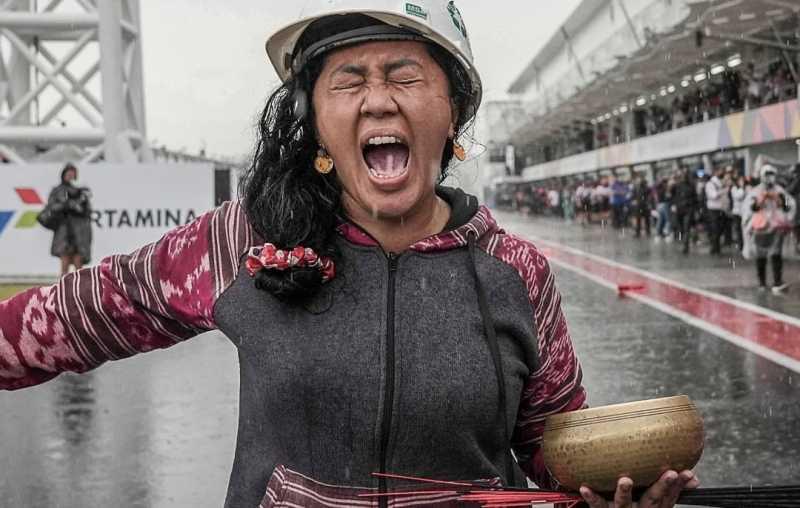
[270, 257]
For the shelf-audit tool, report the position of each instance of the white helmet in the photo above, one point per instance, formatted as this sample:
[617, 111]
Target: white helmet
[437, 21]
[767, 168]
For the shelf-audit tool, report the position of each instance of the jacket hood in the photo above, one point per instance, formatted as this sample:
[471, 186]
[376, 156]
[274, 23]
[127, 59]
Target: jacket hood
[467, 215]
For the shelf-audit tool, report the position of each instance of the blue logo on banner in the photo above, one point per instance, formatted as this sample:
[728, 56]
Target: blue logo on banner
[5, 217]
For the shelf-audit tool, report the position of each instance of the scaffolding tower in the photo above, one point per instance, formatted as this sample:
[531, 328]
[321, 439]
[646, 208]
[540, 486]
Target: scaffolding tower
[71, 82]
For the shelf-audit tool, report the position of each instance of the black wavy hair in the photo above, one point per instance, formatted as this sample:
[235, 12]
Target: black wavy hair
[286, 201]
[69, 167]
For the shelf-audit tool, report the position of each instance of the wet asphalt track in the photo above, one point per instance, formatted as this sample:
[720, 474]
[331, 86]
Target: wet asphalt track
[159, 430]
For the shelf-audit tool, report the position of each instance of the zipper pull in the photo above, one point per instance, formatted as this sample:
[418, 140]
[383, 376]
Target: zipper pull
[392, 257]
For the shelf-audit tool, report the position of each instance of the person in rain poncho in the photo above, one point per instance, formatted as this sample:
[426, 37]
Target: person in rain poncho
[767, 213]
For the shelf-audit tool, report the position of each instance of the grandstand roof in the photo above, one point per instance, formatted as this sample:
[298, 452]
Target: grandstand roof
[665, 59]
[583, 13]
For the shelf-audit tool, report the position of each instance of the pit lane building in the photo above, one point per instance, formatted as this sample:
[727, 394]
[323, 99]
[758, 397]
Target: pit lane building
[629, 86]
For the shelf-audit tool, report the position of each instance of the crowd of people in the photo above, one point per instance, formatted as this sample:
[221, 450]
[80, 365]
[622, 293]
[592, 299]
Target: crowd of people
[734, 91]
[727, 92]
[749, 214]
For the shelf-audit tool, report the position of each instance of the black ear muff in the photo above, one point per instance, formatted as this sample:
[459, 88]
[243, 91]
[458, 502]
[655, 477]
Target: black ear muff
[300, 104]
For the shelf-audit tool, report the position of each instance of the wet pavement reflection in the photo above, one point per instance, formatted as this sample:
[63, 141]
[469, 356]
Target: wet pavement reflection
[749, 405]
[629, 351]
[153, 431]
[159, 430]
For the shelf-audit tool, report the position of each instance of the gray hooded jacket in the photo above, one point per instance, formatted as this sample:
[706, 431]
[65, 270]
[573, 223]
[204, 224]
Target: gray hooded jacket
[389, 368]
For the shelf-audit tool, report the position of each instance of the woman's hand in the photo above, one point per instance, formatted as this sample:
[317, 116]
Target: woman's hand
[662, 494]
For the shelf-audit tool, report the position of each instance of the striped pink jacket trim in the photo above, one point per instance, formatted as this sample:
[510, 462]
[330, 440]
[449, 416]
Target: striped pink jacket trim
[288, 489]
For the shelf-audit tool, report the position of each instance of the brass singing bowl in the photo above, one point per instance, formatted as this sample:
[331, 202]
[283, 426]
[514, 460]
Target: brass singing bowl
[640, 440]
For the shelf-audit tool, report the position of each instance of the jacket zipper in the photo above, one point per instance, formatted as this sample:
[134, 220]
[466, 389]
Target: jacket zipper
[388, 399]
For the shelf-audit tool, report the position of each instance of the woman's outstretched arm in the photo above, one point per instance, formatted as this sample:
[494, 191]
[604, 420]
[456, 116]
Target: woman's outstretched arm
[157, 296]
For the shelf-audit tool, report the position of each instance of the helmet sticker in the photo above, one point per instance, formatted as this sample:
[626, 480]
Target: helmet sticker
[416, 10]
[457, 20]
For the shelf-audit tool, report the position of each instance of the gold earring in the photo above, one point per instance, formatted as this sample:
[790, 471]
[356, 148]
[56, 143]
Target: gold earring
[459, 151]
[324, 162]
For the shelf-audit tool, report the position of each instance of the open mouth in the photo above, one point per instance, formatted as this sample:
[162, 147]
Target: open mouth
[386, 157]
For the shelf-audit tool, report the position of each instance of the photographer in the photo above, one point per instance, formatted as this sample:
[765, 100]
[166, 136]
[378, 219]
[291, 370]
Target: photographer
[68, 214]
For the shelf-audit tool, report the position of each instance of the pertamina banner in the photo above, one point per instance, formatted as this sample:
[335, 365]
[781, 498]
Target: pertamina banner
[133, 205]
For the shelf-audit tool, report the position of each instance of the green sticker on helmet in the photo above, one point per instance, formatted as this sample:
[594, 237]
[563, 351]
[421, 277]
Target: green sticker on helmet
[457, 20]
[416, 10]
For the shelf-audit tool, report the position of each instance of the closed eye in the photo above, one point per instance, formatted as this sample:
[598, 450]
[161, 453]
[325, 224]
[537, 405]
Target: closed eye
[406, 81]
[347, 86]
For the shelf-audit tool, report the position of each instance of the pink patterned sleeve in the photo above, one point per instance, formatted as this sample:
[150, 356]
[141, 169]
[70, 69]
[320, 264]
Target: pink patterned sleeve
[157, 296]
[555, 386]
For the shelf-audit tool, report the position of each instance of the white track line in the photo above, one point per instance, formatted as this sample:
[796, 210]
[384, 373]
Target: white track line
[757, 349]
[785, 318]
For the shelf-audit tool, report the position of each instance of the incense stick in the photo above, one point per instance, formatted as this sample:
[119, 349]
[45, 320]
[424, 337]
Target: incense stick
[491, 496]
